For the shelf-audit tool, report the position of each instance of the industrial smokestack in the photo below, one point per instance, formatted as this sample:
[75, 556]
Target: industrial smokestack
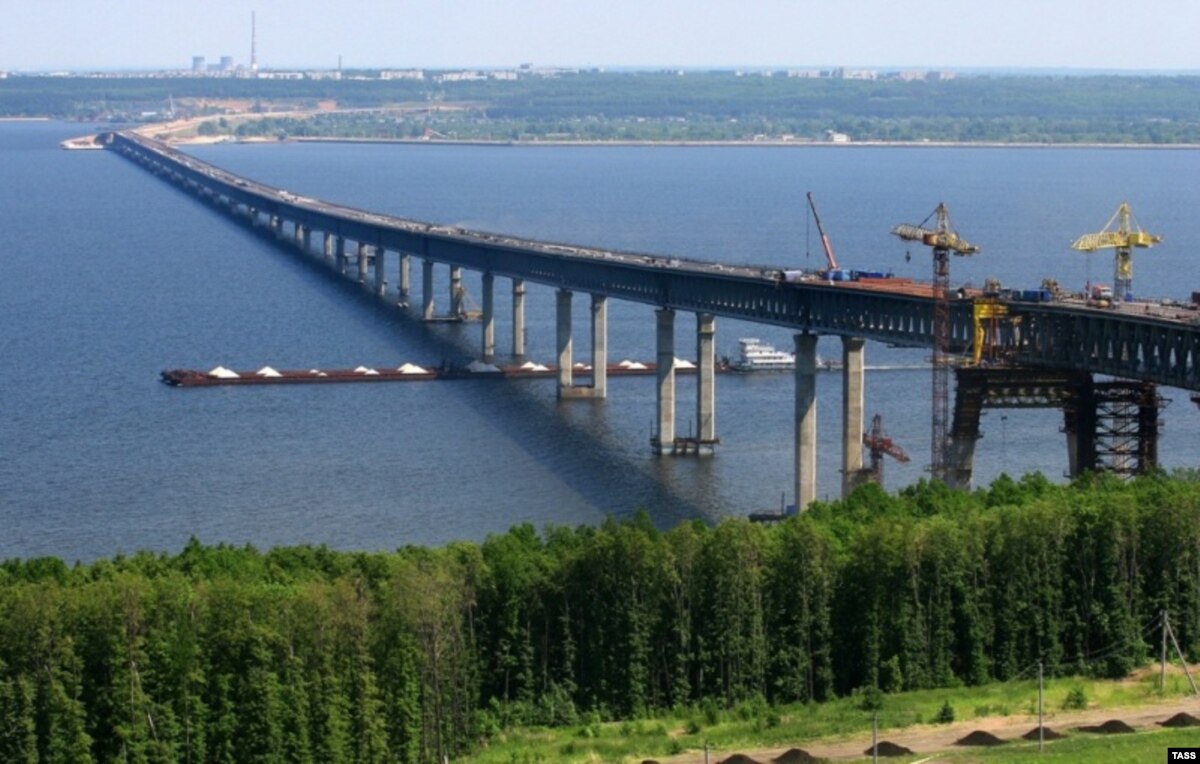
[253, 43]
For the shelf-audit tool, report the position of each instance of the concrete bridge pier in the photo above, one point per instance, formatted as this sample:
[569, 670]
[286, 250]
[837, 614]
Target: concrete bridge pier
[566, 372]
[276, 224]
[562, 304]
[427, 289]
[518, 317]
[379, 263]
[364, 259]
[489, 317]
[599, 388]
[252, 215]
[706, 398]
[852, 414]
[806, 420]
[456, 292]
[339, 262]
[405, 276]
[329, 241]
[663, 441]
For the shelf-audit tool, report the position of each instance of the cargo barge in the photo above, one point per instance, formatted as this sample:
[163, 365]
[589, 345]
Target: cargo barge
[406, 373]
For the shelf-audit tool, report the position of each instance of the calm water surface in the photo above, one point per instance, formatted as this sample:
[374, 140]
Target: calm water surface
[108, 275]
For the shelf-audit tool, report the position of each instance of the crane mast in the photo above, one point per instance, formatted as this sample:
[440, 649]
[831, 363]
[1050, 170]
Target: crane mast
[943, 240]
[830, 260]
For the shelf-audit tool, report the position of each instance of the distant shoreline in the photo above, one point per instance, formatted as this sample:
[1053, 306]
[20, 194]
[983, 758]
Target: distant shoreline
[729, 143]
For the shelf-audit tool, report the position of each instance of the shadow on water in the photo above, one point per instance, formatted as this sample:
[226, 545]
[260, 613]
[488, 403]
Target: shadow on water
[572, 438]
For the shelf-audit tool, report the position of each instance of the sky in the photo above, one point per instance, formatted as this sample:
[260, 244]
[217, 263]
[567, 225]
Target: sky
[950, 34]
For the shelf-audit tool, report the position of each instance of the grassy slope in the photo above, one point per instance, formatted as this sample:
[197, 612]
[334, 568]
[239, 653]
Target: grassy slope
[751, 728]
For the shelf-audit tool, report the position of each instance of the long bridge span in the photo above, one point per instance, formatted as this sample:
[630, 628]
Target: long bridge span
[1051, 351]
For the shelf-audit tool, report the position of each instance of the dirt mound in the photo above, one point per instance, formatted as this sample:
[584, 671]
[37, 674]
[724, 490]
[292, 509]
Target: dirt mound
[1110, 727]
[1181, 719]
[739, 758]
[1047, 734]
[650, 761]
[795, 756]
[886, 748]
[979, 737]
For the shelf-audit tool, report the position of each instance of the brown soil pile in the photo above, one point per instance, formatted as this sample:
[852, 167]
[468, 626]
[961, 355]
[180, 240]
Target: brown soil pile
[1181, 719]
[795, 756]
[739, 758]
[1110, 727]
[979, 737]
[886, 748]
[1047, 734]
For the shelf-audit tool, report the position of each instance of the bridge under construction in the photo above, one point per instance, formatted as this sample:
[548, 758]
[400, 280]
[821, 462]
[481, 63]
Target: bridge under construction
[1101, 365]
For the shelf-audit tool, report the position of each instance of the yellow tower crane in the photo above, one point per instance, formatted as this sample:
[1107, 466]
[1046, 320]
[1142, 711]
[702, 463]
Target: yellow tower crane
[942, 239]
[1126, 235]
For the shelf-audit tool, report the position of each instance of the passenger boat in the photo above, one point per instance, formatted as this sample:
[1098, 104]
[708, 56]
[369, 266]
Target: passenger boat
[756, 355]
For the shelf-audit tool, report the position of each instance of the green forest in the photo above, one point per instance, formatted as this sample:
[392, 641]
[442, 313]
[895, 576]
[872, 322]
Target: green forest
[306, 654]
[718, 105]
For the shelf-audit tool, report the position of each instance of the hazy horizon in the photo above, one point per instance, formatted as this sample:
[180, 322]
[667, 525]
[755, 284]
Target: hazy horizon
[1096, 36]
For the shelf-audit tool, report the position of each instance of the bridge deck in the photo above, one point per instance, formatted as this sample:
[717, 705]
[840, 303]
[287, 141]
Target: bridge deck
[1151, 347]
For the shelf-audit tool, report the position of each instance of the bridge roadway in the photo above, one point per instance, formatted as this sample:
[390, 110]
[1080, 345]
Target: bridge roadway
[1157, 347]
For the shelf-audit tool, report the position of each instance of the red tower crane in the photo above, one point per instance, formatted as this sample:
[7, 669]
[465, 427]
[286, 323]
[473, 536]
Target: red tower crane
[878, 445]
[942, 240]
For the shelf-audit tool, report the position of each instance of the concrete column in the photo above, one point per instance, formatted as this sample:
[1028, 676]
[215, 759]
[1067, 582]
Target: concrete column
[305, 242]
[405, 276]
[852, 413]
[563, 334]
[427, 289]
[364, 258]
[489, 317]
[806, 420]
[456, 291]
[599, 346]
[518, 317]
[252, 214]
[665, 441]
[329, 242]
[706, 397]
[340, 255]
[277, 226]
[379, 261]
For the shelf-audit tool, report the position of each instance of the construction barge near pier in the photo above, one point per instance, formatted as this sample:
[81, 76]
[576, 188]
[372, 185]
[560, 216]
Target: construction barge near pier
[406, 373]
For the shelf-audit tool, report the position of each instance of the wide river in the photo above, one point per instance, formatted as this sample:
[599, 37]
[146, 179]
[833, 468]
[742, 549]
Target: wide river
[108, 275]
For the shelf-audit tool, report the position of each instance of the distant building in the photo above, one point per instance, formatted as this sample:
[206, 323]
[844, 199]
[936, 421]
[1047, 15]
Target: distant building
[227, 63]
[834, 137]
[280, 75]
[939, 76]
[197, 64]
[804, 74]
[460, 77]
[402, 74]
[503, 75]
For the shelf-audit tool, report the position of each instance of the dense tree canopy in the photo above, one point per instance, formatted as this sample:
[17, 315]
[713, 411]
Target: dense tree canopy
[223, 654]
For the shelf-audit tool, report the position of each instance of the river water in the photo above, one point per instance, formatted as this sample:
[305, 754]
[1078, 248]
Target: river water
[108, 276]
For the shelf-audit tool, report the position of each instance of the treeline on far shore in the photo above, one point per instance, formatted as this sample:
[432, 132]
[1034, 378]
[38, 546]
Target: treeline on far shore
[305, 654]
[654, 106]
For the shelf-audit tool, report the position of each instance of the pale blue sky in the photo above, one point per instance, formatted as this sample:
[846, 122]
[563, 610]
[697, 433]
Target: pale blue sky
[105, 34]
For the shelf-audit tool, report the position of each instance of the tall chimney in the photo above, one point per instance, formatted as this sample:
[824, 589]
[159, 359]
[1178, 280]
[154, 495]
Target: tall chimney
[253, 41]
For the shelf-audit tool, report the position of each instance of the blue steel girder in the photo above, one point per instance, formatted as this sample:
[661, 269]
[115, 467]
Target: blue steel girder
[1056, 336]
[1109, 342]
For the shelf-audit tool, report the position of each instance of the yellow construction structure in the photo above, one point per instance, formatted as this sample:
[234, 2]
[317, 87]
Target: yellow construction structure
[1121, 233]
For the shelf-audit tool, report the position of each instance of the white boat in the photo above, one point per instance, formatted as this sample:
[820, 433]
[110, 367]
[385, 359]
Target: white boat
[756, 355]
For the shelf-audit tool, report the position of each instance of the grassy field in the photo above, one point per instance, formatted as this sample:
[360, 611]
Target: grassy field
[757, 726]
